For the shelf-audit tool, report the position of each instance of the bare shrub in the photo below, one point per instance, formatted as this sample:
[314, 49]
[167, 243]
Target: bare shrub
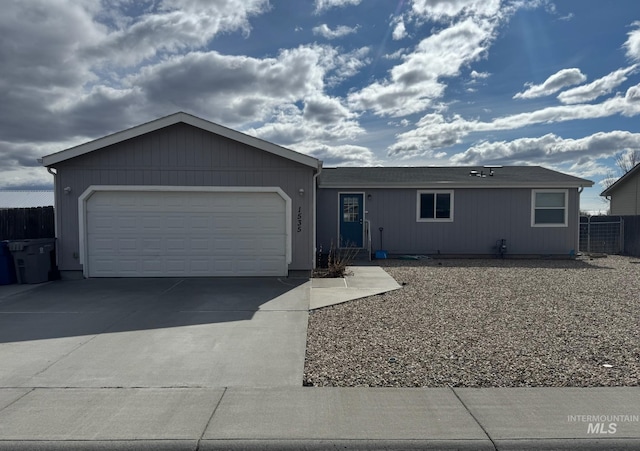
[337, 262]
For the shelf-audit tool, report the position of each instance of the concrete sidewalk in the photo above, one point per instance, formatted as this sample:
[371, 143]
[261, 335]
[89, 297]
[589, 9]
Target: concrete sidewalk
[359, 282]
[319, 418]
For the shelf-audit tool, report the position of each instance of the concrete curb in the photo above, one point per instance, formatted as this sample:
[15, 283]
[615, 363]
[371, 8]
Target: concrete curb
[291, 418]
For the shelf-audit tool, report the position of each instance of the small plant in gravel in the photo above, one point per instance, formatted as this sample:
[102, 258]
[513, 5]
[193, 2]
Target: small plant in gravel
[337, 262]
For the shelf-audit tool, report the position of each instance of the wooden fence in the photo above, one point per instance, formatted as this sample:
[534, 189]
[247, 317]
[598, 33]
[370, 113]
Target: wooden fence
[27, 223]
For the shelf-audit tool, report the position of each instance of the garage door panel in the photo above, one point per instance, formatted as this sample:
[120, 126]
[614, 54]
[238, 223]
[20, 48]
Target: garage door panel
[200, 223]
[152, 266]
[202, 267]
[269, 247]
[127, 222]
[175, 266]
[175, 222]
[223, 221]
[105, 243]
[150, 222]
[223, 245]
[126, 245]
[196, 244]
[176, 244]
[150, 245]
[185, 234]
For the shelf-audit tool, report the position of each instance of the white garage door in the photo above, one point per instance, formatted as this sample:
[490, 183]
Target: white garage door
[175, 234]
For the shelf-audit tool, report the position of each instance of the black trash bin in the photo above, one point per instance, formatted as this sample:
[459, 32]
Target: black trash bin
[34, 259]
[7, 268]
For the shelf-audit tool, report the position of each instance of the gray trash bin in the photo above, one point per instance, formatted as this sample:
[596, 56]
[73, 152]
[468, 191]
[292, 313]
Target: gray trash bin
[33, 259]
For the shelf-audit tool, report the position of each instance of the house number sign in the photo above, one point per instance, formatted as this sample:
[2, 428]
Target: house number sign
[299, 219]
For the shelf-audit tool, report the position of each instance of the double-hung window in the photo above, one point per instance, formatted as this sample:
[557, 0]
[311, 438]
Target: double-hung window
[434, 206]
[549, 208]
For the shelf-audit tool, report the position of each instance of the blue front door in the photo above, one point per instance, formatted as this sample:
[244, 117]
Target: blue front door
[351, 220]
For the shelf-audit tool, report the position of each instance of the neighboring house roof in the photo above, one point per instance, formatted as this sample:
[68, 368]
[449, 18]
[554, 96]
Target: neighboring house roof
[173, 119]
[635, 171]
[25, 199]
[448, 177]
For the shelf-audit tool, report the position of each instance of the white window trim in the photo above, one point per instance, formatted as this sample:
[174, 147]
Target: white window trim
[566, 207]
[433, 191]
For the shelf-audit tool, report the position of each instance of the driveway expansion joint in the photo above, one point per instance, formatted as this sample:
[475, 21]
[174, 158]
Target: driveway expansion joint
[18, 398]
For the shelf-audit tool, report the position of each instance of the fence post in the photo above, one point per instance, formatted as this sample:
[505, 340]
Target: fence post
[588, 234]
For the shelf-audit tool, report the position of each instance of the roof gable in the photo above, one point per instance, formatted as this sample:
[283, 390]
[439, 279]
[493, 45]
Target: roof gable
[635, 171]
[448, 177]
[173, 119]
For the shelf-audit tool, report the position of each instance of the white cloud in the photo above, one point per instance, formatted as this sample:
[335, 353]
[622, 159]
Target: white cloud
[549, 149]
[447, 9]
[632, 45]
[434, 131]
[339, 155]
[553, 84]
[20, 168]
[322, 119]
[235, 89]
[41, 65]
[395, 55]
[597, 88]
[399, 32]
[415, 83]
[325, 110]
[173, 27]
[340, 31]
[21, 177]
[40, 55]
[323, 5]
[431, 132]
[479, 75]
[69, 60]
[629, 105]
[344, 65]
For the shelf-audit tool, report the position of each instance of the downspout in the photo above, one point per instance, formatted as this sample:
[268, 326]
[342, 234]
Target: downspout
[315, 213]
[55, 201]
[608, 200]
[55, 206]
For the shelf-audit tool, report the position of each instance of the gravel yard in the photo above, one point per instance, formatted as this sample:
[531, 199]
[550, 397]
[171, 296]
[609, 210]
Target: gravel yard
[485, 323]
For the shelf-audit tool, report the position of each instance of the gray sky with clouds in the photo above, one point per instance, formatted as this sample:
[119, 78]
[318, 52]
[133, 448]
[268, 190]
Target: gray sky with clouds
[371, 82]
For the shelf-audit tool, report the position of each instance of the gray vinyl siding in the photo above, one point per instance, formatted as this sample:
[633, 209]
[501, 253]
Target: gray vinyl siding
[182, 155]
[481, 217]
[625, 200]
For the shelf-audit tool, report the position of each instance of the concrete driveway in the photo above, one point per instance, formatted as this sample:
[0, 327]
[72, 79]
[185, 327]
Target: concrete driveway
[205, 333]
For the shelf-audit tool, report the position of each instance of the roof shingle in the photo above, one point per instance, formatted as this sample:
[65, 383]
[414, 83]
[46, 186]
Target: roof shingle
[455, 176]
